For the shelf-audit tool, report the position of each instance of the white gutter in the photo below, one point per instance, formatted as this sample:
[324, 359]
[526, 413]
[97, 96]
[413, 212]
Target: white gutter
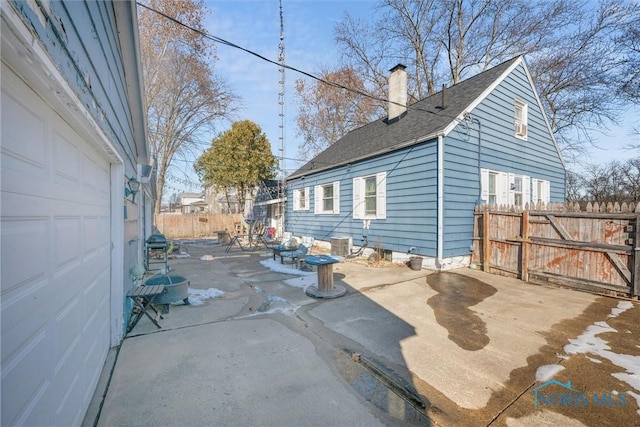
[440, 201]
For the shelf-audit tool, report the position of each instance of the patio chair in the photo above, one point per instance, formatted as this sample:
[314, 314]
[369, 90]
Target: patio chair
[296, 255]
[238, 239]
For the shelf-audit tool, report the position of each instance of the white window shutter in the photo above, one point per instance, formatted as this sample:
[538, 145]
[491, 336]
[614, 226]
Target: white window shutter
[336, 197]
[296, 201]
[534, 192]
[306, 198]
[358, 200]
[526, 190]
[484, 185]
[503, 188]
[511, 193]
[546, 191]
[317, 194]
[381, 195]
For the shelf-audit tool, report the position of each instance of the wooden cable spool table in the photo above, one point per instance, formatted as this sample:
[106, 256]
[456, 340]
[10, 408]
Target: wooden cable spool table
[325, 288]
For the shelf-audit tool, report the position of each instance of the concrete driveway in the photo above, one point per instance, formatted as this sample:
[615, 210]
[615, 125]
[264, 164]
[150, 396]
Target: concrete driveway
[402, 347]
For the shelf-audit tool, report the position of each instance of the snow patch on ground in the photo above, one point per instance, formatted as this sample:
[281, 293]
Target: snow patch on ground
[621, 308]
[198, 296]
[284, 268]
[546, 372]
[273, 304]
[589, 343]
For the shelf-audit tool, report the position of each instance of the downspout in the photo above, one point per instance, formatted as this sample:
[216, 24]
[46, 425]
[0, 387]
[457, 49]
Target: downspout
[440, 196]
[471, 120]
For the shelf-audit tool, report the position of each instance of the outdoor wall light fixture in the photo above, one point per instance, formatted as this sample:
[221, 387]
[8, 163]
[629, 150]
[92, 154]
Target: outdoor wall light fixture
[132, 189]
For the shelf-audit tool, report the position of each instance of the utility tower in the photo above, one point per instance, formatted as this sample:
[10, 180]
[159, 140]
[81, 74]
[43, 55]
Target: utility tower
[281, 110]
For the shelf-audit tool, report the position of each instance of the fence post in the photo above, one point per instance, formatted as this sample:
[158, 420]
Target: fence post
[635, 276]
[486, 246]
[524, 253]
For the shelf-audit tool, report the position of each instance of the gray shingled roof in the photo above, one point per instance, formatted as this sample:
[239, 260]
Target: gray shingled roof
[422, 119]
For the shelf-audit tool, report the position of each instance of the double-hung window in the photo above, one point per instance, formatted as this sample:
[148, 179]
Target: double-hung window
[521, 119]
[519, 190]
[301, 199]
[327, 198]
[493, 185]
[540, 191]
[369, 196]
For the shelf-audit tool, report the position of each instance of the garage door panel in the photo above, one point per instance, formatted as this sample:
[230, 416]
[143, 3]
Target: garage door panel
[23, 303]
[67, 328]
[26, 148]
[92, 178]
[29, 196]
[67, 161]
[27, 374]
[91, 235]
[67, 412]
[15, 340]
[19, 236]
[67, 234]
[96, 303]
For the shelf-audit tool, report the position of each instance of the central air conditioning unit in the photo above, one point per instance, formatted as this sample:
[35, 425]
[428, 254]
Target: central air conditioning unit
[144, 173]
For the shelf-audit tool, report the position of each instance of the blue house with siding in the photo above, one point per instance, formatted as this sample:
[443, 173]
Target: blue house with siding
[410, 181]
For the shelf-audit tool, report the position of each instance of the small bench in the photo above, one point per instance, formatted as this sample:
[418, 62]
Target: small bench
[143, 298]
[295, 255]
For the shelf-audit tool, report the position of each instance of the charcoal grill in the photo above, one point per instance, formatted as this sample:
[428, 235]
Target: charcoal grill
[156, 250]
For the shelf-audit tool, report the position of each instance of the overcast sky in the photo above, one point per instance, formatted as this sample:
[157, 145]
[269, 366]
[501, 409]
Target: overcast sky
[309, 44]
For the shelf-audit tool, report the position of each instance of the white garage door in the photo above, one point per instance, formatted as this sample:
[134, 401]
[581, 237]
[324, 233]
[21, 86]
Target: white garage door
[55, 254]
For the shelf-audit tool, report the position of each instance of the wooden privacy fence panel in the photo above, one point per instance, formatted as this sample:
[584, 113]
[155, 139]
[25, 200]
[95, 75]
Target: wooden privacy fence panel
[596, 251]
[175, 226]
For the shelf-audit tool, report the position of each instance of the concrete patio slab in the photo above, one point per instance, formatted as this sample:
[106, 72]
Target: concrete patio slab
[402, 347]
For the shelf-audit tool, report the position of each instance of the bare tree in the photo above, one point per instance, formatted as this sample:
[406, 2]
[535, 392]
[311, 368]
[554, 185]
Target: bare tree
[571, 52]
[631, 172]
[184, 96]
[614, 181]
[628, 46]
[574, 186]
[326, 113]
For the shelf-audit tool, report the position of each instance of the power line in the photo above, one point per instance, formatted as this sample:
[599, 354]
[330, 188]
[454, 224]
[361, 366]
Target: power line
[288, 67]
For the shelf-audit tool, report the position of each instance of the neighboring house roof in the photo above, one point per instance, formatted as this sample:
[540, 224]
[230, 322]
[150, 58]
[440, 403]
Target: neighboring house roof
[191, 195]
[423, 120]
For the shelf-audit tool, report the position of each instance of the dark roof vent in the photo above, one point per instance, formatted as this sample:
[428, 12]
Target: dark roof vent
[443, 93]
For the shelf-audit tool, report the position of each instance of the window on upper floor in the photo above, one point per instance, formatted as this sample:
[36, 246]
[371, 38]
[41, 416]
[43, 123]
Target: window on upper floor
[521, 119]
[327, 198]
[369, 196]
[301, 199]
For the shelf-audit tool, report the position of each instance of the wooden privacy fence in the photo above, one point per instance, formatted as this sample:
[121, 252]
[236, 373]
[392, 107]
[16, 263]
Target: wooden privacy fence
[595, 249]
[176, 226]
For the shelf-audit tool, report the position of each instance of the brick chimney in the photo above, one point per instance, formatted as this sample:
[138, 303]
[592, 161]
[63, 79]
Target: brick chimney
[397, 92]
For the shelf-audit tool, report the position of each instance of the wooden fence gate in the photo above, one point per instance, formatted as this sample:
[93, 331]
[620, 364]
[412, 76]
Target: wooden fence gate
[596, 250]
